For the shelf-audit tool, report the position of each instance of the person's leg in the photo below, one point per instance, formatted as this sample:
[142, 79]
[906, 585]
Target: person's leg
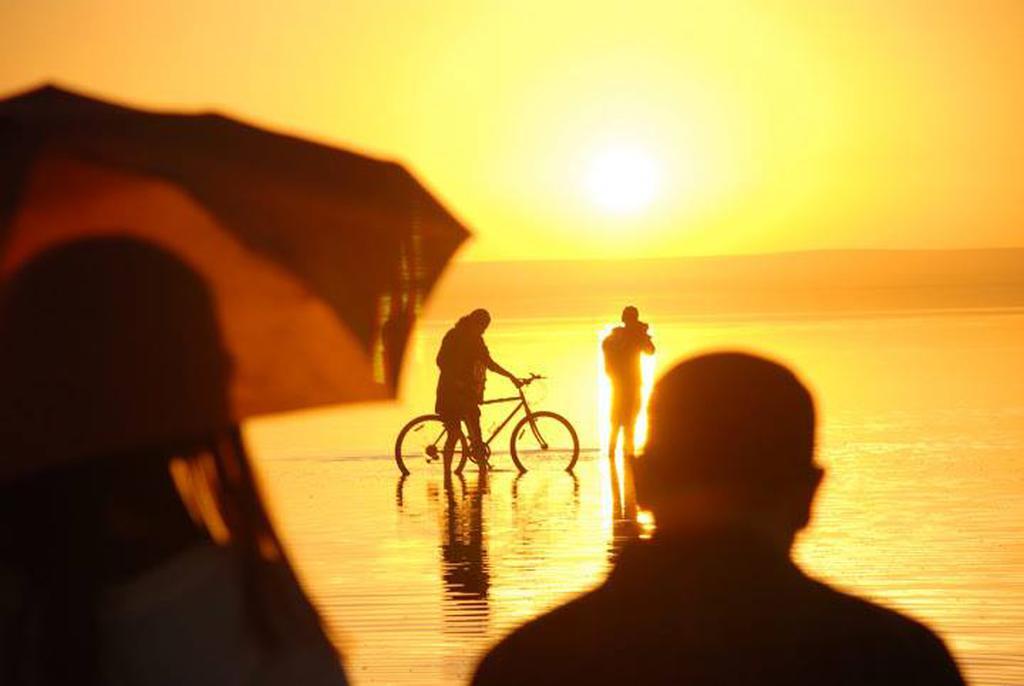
[630, 413]
[628, 449]
[453, 432]
[613, 438]
[476, 440]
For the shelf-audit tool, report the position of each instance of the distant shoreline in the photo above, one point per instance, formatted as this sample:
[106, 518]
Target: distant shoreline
[811, 252]
[813, 283]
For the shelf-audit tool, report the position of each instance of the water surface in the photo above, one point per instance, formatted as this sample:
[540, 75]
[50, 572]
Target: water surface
[921, 510]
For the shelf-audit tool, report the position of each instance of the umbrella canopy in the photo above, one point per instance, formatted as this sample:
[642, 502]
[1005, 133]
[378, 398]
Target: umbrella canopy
[318, 259]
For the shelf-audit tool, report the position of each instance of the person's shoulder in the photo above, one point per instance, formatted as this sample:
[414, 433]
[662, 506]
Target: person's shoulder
[862, 612]
[893, 638]
[553, 626]
[444, 351]
[522, 656]
[614, 335]
[306, 665]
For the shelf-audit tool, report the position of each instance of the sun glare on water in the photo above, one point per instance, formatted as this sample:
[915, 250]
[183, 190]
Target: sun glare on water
[622, 179]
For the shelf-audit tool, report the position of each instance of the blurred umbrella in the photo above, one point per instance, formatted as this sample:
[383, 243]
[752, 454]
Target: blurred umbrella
[318, 258]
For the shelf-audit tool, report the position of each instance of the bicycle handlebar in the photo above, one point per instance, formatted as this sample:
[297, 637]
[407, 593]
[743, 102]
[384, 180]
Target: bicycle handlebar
[530, 379]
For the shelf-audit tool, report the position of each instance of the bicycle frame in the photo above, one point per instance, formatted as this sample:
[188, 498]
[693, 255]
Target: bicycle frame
[512, 398]
[481, 451]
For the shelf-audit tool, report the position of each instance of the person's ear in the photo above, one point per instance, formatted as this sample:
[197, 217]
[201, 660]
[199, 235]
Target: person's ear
[806, 490]
[817, 474]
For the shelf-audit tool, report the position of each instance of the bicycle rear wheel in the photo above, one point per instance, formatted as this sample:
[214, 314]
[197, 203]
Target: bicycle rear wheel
[544, 438]
[420, 445]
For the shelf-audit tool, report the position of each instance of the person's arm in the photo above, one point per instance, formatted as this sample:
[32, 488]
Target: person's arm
[648, 344]
[498, 369]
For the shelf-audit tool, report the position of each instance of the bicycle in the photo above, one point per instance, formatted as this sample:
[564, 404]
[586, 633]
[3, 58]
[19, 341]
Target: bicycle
[539, 436]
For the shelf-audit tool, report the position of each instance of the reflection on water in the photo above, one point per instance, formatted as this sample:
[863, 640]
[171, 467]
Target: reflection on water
[464, 556]
[622, 497]
[921, 508]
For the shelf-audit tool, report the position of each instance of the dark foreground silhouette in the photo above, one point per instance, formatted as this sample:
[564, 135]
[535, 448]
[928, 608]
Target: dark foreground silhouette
[622, 349]
[714, 597]
[123, 560]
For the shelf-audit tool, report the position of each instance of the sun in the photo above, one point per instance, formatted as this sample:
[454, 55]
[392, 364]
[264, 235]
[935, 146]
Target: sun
[622, 179]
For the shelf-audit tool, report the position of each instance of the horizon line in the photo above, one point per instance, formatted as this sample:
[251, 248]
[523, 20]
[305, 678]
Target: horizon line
[774, 253]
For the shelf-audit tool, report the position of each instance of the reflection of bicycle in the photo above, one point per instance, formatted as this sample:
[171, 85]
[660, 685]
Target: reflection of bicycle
[541, 437]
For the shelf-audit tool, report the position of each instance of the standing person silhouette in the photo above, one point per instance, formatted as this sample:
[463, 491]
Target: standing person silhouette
[134, 545]
[622, 350]
[714, 597]
[464, 361]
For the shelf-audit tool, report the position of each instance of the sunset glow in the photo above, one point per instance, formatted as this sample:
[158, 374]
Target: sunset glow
[623, 179]
[790, 125]
[371, 285]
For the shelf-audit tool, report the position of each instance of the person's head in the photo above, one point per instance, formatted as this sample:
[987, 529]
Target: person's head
[119, 448]
[731, 439]
[107, 345]
[630, 315]
[476, 321]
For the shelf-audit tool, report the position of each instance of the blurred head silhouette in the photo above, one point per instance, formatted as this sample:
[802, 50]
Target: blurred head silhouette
[714, 597]
[120, 455]
[107, 345]
[731, 441]
[630, 315]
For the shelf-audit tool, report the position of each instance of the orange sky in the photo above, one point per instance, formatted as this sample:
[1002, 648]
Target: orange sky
[745, 126]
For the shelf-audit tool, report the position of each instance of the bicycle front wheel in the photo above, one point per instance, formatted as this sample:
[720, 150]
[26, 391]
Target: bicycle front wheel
[544, 438]
[420, 445]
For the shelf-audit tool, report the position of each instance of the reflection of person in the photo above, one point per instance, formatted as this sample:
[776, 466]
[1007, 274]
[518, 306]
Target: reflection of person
[714, 597]
[464, 361]
[622, 349]
[126, 559]
[625, 528]
[465, 571]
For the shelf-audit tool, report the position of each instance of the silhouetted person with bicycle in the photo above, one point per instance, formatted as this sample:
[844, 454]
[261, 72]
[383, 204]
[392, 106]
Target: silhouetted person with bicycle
[622, 350]
[464, 361]
[714, 597]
